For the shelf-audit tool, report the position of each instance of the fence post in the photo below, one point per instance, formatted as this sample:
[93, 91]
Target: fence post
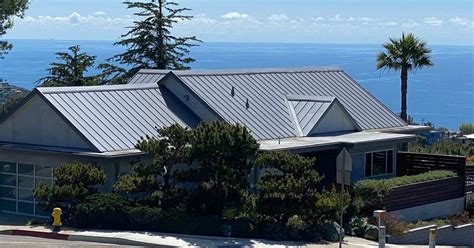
[382, 234]
[432, 240]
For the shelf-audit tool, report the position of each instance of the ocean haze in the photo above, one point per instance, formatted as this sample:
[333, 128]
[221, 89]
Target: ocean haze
[443, 94]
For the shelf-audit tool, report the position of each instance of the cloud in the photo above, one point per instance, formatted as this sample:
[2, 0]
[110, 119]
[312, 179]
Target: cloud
[410, 24]
[99, 13]
[74, 17]
[203, 19]
[278, 17]
[463, 22]
[235, 15]
[433, 21]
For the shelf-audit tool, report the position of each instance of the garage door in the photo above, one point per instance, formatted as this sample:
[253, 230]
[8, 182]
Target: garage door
[17, 182]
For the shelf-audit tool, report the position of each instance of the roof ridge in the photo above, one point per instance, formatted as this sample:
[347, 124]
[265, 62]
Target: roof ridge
[246, 71]
[97, 88]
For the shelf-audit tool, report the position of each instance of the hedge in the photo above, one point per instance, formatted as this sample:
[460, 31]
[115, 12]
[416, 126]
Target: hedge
[369, 194]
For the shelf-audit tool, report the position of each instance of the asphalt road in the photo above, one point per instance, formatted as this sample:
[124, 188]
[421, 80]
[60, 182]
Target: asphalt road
[7, 241]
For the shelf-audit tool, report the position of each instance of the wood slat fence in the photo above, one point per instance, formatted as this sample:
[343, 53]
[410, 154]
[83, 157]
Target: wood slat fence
[409, 163]
[424, 193]
[432, 191]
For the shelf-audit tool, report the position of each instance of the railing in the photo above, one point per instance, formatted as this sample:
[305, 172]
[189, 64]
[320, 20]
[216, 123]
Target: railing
[424, 193]
[416, 163]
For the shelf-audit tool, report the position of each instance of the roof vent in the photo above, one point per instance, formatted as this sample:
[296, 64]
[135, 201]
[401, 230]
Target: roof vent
[247, 104]
[232, 91]
[186, 97]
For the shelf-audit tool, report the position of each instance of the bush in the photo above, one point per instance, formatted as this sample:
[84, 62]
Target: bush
[395, 226]
[295, 227]
[470, 204]
[243, 227]
[467, 128]
[107, 210]
[144, 218]
[357, 226]
[369, 193]
[458, 219]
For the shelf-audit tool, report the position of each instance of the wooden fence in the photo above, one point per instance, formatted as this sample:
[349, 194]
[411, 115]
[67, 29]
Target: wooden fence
[416, 163]
[424, 193]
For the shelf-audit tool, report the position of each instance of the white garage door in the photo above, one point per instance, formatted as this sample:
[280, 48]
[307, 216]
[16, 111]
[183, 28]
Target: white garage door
[17, 182]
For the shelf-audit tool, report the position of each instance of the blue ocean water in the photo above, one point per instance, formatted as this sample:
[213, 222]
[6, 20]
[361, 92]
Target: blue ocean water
[443, 94]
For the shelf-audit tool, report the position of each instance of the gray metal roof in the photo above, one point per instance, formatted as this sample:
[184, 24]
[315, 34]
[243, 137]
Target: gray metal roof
[113, 118]
[308, 111]
[144, 77]
[266, 113]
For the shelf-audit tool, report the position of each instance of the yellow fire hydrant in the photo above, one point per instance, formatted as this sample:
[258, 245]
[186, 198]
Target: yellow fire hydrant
[57, 219]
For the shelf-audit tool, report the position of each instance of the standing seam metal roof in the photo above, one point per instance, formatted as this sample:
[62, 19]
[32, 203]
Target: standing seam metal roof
[268, 116]
[113, 118]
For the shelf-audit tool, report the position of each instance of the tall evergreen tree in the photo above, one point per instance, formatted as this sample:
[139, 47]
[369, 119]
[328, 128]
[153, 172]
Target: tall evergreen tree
[150, 43]
[71, 70]
[8, 10]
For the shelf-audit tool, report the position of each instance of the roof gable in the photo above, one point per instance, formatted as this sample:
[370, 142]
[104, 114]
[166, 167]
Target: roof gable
[36, 122]
[318, 114]
[115, 117]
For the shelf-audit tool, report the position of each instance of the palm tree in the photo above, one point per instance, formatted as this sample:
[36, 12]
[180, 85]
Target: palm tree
[405, 54]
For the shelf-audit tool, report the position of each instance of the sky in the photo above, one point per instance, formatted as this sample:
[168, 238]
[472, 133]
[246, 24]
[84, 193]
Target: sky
[448, 22]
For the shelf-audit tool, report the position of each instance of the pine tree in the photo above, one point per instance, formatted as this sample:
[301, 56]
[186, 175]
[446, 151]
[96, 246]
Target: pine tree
[8, 10]
[73, 183]
[71, 70]
[223, 153]
[154, 181]
[150, 43]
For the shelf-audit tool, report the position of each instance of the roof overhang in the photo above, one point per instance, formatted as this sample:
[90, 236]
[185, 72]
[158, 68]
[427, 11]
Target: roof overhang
[69, 151]
[409, 129]
[333, 141]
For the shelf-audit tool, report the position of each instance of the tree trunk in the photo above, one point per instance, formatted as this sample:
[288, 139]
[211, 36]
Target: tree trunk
[404, 87]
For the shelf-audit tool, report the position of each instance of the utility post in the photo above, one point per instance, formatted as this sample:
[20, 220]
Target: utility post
[432, 239]
[343, 177]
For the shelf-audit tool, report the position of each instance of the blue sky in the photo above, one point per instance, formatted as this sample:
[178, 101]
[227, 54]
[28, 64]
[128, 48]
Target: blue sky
[308, 21]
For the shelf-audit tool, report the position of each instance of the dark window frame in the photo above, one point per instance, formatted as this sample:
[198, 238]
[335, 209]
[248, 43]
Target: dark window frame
[389, 163]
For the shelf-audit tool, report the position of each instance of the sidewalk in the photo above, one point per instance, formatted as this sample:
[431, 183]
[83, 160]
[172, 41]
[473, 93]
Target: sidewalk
[153, 239]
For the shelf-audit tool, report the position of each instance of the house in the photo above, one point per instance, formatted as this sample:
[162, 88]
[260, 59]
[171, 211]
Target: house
[314, 112]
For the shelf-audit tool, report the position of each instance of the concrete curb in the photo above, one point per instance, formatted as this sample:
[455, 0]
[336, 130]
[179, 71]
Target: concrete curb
[83, 238]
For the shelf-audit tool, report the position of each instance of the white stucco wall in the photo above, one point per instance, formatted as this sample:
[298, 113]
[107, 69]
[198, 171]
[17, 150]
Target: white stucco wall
[36, 123]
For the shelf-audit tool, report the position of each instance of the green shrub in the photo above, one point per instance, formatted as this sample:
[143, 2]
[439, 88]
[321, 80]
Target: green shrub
[295, 227]
[470, 204]
[467, 128]
[106, 210]
[144, 218]
[442, 147]
[358, 226]
[243, 227]
[369, 193]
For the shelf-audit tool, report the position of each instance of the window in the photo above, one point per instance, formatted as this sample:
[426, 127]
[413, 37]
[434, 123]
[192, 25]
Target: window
[378, 163]
[17, 182]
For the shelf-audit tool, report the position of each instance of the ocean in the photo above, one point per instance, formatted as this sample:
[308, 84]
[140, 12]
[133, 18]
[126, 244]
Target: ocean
[443, 94]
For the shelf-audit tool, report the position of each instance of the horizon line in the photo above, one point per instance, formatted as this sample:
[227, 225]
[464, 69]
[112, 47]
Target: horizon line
[246, 42]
